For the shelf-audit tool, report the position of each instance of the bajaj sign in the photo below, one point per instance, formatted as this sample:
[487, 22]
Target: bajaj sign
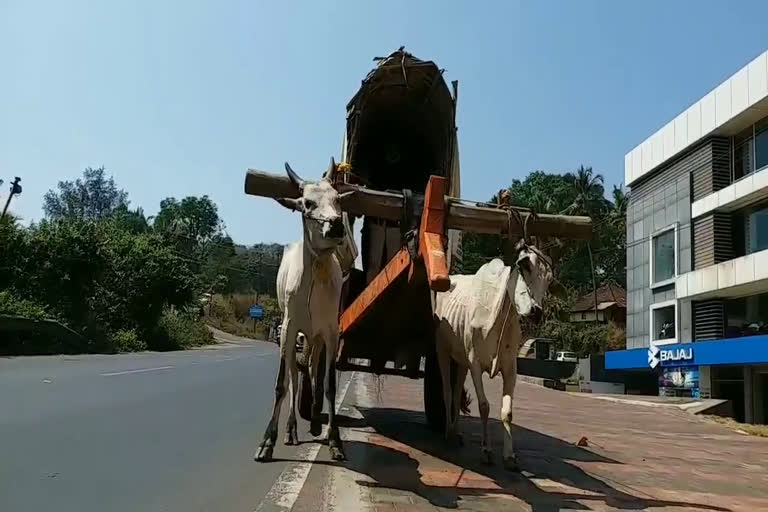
[657, 355]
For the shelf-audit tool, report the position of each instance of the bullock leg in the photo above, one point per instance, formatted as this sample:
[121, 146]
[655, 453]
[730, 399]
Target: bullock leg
[510, 461]
[458, 388]
[316, 376]
[444, 362]
[485, 409]
[267, 446]
[334, 440]
[291, 434]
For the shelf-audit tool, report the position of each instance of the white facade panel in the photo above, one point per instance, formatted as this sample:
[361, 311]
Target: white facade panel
[731, 278]
[657, 145]
[694, 123]
[726, 276]
[739, 92]
[731, 98]
[744, 187]
[668, 139]
[761, 265]
[681, 133]
[708, 113]
[746, 190]
[628, 167]
[723, 103]
[758, 78]
[745, 270]
[637, 164]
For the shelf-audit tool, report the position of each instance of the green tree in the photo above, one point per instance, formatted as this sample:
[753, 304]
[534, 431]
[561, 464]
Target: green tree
[588, 200]
[133, 221]
[94, 196]
[191, 222]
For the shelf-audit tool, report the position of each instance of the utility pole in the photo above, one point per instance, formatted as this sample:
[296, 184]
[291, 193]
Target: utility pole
[15, 190]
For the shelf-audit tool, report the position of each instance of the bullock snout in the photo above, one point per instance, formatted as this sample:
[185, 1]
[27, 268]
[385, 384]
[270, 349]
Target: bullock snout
[335, 228]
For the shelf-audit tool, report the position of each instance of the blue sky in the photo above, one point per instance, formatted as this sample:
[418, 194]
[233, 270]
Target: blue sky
[179, 98]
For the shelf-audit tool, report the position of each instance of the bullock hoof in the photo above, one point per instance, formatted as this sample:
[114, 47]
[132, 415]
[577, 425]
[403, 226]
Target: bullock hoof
[315, 428]
[487, 457]
[264, 454]
[337, 453]
[510, 464]
[291, 437]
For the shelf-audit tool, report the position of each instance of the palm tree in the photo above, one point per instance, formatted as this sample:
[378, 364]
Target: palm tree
[620, 202]
[588, 196]
[588, 192]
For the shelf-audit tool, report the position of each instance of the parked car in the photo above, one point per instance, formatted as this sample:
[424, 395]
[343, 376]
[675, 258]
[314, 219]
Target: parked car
[568, 357]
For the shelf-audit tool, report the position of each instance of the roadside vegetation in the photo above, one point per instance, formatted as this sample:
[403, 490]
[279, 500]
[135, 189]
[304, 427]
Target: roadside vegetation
[117, 280]
[114, 279]
[230, 314]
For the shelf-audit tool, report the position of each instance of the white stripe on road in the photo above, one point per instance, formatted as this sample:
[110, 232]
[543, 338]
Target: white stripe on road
[141, 370]
[285, 491]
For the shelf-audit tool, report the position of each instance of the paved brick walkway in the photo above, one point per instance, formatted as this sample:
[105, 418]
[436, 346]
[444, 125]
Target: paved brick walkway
[638, 457]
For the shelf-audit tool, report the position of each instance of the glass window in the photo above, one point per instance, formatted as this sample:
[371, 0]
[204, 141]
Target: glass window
[761, 144]
[758, 230]
[663, 323]
[742, 154]
[663, 247]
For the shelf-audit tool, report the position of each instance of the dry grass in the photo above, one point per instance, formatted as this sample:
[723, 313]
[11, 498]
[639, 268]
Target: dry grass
[230, 314]
[746, 428]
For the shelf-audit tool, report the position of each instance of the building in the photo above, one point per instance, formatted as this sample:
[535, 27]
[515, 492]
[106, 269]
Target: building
[611, 306]
[697, 248]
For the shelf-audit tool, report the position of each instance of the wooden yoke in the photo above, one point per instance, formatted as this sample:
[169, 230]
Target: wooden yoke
[432, 233]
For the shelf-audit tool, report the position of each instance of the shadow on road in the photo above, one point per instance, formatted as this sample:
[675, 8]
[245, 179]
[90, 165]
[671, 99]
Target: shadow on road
[539, 455]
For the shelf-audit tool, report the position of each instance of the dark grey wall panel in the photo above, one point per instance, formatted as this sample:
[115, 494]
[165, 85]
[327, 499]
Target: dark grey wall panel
[659, 200]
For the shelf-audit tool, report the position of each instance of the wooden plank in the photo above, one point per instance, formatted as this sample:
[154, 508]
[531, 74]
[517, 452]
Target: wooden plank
[431, 233]
[372, 293]
[460, 214]
[478, 219]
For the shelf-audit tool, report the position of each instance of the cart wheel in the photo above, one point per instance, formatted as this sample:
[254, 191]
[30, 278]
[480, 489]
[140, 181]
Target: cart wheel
[434, 407]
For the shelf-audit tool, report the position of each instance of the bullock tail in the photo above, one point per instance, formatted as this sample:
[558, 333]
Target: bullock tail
[466, 401]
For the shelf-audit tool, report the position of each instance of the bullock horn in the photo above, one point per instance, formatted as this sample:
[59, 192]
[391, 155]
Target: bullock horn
[531, 214]
[331, 172]
[290, 203]
[294, 177]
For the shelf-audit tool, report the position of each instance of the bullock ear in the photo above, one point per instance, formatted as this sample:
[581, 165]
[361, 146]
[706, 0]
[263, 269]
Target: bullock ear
[295, 179]
[330, 174]
[291, 203]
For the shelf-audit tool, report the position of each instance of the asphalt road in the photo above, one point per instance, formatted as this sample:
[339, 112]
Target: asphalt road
[149, 431]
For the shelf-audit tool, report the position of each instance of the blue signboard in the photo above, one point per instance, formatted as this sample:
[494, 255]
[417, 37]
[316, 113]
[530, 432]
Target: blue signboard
[747, 350]
[256, 312]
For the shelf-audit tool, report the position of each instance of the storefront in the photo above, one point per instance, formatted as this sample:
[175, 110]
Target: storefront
[735, 369]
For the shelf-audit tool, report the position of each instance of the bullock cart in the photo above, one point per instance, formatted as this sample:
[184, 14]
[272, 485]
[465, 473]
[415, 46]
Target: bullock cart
[400, 167]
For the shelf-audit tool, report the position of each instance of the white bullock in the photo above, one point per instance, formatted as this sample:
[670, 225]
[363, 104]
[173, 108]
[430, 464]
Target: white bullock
[309, 284]
[478, 327]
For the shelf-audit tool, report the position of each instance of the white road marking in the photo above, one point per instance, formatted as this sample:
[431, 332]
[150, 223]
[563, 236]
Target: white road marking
[141, 370]
[285, 491]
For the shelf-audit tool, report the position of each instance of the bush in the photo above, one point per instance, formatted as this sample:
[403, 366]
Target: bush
[11, 305]
[179, 329]
[582, 338]
[127, 341]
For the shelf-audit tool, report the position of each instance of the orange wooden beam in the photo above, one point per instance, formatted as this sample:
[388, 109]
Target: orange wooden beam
[431, 234]
[363, 303]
